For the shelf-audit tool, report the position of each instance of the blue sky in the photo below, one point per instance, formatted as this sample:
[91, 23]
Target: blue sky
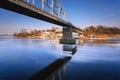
[82, 13]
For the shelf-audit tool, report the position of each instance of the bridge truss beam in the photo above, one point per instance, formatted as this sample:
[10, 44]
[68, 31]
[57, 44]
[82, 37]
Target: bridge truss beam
[54, 7]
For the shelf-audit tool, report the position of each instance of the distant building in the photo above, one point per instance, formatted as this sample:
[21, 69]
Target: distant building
[58, 33]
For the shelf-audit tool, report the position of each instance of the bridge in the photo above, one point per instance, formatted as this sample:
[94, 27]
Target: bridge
[46, 10]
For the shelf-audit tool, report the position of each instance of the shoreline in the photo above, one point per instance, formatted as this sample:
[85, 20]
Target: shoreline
[53, 38]
[100, 38]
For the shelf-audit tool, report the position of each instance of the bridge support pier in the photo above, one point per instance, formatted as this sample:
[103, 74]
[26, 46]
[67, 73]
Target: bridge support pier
[67, 36]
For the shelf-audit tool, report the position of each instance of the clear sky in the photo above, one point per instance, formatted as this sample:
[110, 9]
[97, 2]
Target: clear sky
[82, 13]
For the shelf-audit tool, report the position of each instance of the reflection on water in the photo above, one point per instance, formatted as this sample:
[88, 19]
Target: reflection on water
[71, 48]
[57, 69]
[23, 59]
[92, 42]
[96, 60]
[102, 41]
[81, 42]
[53, 71]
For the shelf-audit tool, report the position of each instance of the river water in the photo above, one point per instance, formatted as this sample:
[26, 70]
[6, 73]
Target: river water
[21, 59]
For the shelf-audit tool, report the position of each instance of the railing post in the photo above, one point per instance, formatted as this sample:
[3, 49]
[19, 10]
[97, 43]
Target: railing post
[33, 2]
[42, 5]
[52, 7]
[59, 10]
[27, 1]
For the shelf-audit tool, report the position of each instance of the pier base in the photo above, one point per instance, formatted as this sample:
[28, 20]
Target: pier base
[67, 41]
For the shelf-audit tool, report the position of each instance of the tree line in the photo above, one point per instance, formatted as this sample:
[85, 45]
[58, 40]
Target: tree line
[24, 33]
[101, 30]
[91, 30]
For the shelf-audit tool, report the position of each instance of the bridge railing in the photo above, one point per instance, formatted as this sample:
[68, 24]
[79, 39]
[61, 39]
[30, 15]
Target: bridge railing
[52, 7]
[37, 8]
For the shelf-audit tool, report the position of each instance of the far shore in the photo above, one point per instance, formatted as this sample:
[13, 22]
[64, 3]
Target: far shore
[59, 38]
[54, 38]
[100, 38]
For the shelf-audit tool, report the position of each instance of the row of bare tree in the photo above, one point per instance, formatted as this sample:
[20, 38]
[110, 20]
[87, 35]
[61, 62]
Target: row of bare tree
[25, 33]
[102, 30]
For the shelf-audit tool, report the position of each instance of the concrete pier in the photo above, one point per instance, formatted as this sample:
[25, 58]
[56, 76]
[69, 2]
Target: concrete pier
[67, 36]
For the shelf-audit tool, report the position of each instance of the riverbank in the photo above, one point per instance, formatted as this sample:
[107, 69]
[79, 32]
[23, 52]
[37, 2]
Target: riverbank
[98, 38]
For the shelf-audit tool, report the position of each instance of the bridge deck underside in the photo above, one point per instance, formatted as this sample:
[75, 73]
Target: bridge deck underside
[32, 11]
[24, 8]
